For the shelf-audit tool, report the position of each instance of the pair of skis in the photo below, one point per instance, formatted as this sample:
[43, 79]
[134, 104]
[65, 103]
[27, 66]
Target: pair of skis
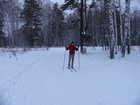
[72, 69]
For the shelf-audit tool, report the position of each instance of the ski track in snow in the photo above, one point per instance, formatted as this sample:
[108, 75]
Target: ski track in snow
[40, 83]
[11, 83]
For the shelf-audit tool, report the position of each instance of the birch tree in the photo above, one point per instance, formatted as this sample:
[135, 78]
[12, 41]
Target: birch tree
[127, 24]
[112, 34]
[121, 30]
[10, 10]
[115, 26]
[126, 41]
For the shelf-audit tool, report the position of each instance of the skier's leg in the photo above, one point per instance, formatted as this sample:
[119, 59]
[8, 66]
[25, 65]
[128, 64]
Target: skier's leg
[69, 60]
[72, 60]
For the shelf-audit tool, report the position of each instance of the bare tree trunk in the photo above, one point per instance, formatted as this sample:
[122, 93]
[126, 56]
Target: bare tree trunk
[128, 35]
[116, 32]
[112, 34]
[121, 32]
[127, 25]
[81, 26]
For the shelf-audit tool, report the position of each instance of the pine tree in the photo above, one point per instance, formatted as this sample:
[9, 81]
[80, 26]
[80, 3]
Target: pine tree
[30, 16]
[57, 25]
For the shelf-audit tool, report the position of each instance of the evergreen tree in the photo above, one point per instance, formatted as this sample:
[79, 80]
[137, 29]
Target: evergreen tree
[30, 16]
[57, 25]
[82, 8]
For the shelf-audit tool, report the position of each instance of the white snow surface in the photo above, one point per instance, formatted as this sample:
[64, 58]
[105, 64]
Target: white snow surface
[37, 78]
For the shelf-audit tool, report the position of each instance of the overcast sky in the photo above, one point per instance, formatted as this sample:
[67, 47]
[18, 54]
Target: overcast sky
[135, 3]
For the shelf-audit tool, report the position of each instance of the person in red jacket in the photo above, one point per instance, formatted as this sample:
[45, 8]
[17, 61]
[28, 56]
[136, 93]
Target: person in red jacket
[72, 48]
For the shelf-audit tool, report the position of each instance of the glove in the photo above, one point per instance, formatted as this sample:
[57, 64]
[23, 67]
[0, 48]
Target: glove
[65, 46]
[78, 46]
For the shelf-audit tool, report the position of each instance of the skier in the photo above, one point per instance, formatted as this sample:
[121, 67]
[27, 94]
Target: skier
[72, 48]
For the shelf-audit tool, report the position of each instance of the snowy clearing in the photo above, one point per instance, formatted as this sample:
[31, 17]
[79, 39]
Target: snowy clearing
[37, 78]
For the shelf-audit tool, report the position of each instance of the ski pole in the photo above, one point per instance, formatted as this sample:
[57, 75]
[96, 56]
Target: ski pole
[64, 60]
[79, 59]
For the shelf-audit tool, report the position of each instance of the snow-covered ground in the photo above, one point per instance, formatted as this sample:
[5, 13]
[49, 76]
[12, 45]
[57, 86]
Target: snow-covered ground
[37, 78]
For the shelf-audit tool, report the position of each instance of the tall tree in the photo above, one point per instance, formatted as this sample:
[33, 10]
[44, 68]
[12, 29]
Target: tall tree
[127, 25]
[1, 24]
[115, 26]
[135, 27]
[2, 38]
[30, 16]
[57, 27]
[120, 25]
[82, 8]
[10, 10]
[112, 33]
[46, 21]
[126, 41]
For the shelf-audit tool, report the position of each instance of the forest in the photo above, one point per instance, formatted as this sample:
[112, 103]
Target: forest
[106, 23]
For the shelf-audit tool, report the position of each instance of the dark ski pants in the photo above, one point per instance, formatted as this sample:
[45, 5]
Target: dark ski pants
[71, 60]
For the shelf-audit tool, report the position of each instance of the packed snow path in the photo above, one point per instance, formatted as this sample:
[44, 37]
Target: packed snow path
[37, 78]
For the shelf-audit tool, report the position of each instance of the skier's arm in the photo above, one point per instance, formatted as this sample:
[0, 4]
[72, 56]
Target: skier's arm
[76, 48]
[67, 48]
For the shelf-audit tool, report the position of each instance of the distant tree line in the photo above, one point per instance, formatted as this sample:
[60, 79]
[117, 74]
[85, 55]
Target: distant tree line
[105, 23]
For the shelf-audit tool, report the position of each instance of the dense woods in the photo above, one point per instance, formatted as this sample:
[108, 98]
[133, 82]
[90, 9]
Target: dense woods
[106, 23]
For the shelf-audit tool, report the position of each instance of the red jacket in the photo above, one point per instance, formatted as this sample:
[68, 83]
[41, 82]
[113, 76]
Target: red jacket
[72, 49]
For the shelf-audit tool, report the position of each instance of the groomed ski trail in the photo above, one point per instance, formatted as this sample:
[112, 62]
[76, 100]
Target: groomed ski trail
[41, 85]
[43, 82]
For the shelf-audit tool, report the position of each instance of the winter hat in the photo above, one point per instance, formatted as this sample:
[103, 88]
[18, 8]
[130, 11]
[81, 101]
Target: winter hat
[72, 42]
